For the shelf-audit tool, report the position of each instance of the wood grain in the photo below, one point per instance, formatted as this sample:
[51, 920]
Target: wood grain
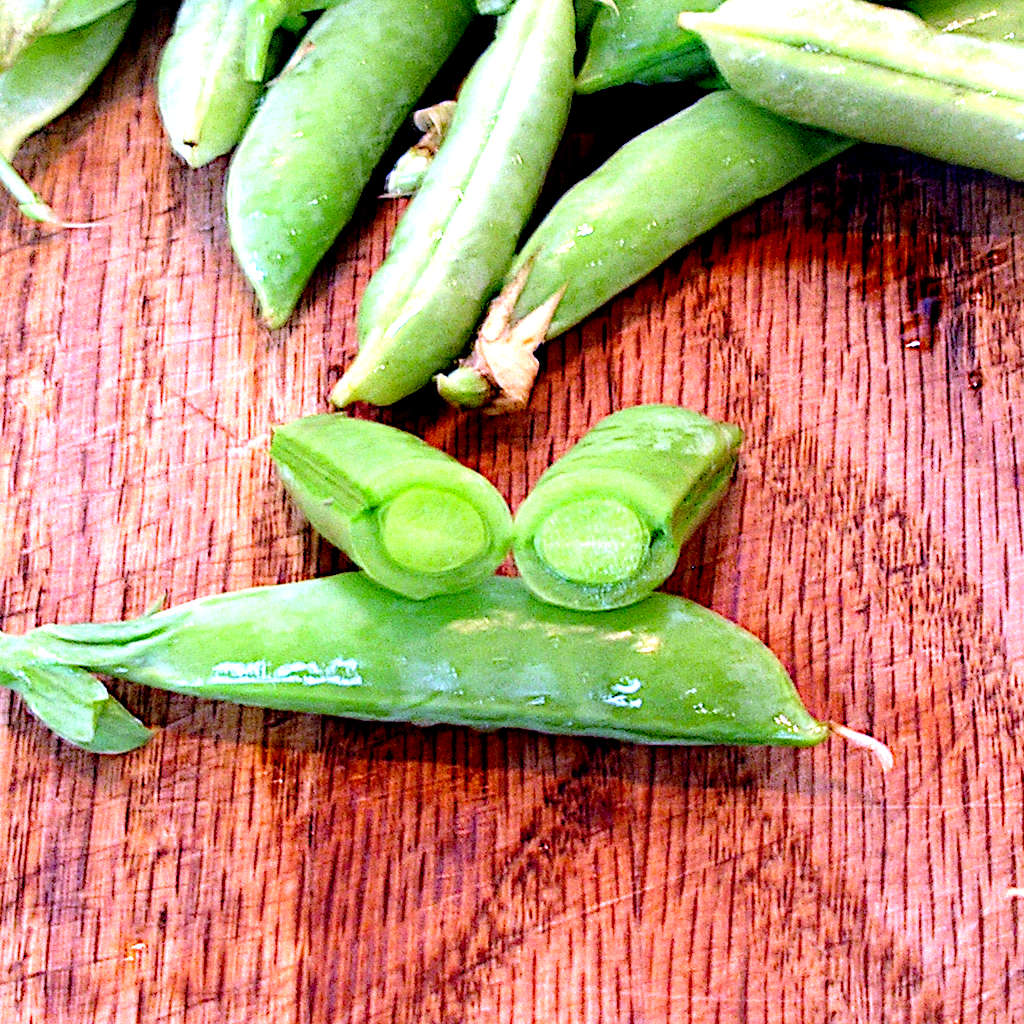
[864, 327]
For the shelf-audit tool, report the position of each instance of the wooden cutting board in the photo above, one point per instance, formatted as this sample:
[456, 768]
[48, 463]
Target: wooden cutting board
[864, 327]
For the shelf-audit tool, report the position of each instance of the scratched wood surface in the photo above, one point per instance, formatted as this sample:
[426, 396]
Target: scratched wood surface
[864, 327]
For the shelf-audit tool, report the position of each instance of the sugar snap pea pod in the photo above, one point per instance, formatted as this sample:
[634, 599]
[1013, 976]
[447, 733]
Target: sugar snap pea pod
[664, 671]
[322, 127]
[875, 74]
[416, 520]
[454, 241]
[203, 95]
[604, 525]
[47, 79]
[641, 41]
[660, 191]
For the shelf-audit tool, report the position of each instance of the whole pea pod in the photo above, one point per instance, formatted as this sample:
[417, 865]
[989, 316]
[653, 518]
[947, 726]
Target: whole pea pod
[203, 95]
[641, 41]
[413, 518]
[665, 670]
[660, 191]
[457, 236]
[49, 76]
[875, 74]
[322, 128]
[604, 525]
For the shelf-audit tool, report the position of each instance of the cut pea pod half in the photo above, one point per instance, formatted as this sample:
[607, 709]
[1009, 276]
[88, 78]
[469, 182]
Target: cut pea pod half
[413, 518]
[604, 525]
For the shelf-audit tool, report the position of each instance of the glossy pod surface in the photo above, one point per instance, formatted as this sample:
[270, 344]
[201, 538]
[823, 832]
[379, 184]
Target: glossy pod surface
[76, 13]
[641, 41]
[877, 75]
[658, 192]
[663, 671]
[322, 128]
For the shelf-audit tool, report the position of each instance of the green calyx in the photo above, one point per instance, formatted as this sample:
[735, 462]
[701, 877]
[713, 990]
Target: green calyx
[68, 700]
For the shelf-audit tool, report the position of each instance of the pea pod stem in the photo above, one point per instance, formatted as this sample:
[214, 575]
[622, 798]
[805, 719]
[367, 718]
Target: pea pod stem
[664, 671]
[457, 236]
[415, 519]
[406, 177]
[499, 373]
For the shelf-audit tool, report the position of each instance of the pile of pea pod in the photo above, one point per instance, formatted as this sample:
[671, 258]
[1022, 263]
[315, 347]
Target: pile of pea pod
[294, 91]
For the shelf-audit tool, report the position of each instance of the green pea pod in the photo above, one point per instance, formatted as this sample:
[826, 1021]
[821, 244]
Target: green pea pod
[262, 19]
[660, 191]
[76, 13]
[665, 670]
[456, 238]
[604, 525]
[641, 41]
[875, 74]
[203, 95]
[48, 78]
[322, 128]
[416, 520]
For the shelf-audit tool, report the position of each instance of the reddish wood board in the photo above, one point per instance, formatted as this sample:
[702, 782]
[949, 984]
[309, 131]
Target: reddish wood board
[864, 327]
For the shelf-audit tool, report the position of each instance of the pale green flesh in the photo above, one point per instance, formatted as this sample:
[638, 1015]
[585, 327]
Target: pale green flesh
[593, 541]
[431, 531]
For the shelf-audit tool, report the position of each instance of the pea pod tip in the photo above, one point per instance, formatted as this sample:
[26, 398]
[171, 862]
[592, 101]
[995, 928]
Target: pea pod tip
[881, 752]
